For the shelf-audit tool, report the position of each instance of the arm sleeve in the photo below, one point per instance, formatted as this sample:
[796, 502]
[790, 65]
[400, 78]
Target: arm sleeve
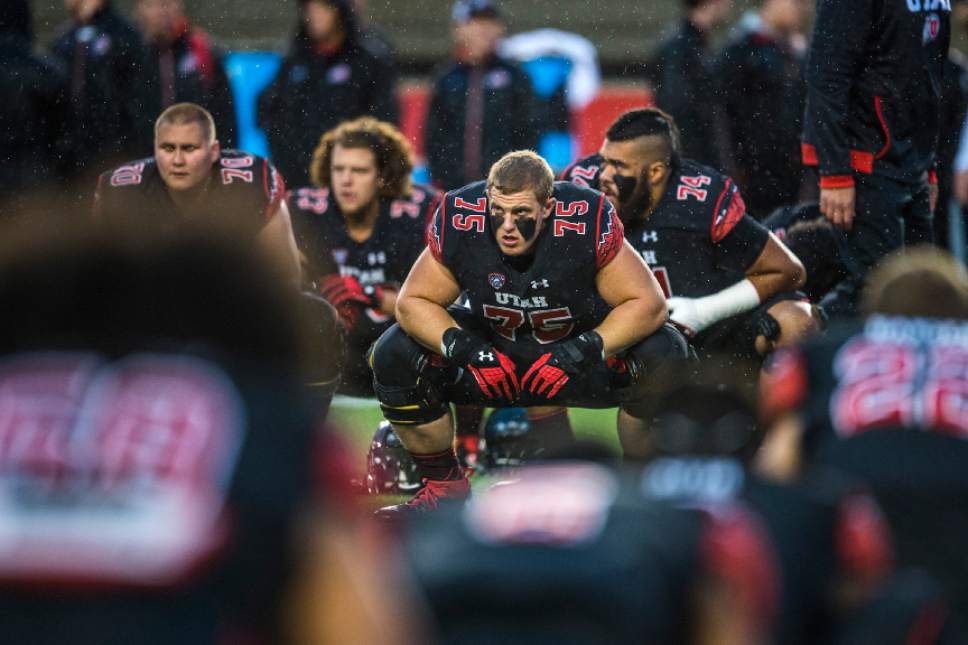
[839, 33]
[223, 106]
[434, 129]
[525, 129]
[383, 95]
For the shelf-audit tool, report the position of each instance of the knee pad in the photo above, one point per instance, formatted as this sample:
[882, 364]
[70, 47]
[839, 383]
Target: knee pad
[652, 357]
[401, 380]
[327, 348]
[665, 344]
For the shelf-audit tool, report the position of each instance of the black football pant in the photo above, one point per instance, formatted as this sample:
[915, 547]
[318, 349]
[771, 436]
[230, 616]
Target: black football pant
[888, 215]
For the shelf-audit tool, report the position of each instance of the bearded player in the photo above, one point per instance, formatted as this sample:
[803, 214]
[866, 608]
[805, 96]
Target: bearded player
[360, 229]
[731, 284]
[562, 312]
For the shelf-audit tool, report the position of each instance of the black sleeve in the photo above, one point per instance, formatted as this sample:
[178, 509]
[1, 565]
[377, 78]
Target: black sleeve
[222, 105]
[128, 64]
[839, 32]
[435, 129]
[742, 246]
[383, 93]
[271, 105]
[525, 130]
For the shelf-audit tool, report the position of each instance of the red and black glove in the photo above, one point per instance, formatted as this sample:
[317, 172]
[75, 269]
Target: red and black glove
[493, 371]
[348, 296]
[551, 371]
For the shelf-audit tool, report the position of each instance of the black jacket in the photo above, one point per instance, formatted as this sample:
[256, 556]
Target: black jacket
[315, 91]
[873, 88]
[103, 61]
[761, 81]
[31, 114]
[197, 75]
[508, 121]
[681, 72]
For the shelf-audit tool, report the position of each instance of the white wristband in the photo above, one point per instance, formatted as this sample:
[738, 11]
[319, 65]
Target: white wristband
[699, 313]
[739, 298]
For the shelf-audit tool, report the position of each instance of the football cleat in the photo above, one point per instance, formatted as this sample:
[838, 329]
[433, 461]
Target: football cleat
[434, 494]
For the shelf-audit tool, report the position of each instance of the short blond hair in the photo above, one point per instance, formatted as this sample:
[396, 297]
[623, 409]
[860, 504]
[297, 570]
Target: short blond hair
[522, 170]
[187, 113]
[919, 282]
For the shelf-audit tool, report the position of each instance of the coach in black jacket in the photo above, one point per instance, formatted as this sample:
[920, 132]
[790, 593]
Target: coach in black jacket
[482, 105]
[871, 124]
[102, 53]
[182, 65]
[30, 113]
[328, 77]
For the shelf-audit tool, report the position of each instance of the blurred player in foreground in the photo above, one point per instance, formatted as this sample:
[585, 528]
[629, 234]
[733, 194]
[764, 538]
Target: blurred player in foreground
[163, 479]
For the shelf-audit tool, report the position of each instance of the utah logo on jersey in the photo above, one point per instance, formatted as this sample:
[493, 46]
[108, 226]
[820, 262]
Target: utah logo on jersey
[496, 280]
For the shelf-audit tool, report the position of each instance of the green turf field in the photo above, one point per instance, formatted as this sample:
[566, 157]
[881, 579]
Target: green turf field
[357, 419]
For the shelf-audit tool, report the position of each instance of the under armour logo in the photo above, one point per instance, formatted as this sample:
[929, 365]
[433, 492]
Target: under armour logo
[485, 356]
[540, 284]
[650, 236]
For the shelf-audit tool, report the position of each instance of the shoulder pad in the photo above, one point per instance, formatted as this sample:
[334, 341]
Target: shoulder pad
[584, 172]
[417, 206]
[311, 199]
[712, 198]
[130, 174]
[461, 212]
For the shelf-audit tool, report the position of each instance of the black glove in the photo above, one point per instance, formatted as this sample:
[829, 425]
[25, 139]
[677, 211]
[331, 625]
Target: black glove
[552, 370]
[493, 371]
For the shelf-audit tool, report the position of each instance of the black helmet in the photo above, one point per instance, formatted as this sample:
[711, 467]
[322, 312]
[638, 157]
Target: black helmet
[390, 470]
[507, 439]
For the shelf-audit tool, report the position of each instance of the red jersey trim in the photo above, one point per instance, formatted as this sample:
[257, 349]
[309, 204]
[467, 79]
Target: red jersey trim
[863, 540]
[784, 385]
[734, 213]
[606, 252]
[933, 177]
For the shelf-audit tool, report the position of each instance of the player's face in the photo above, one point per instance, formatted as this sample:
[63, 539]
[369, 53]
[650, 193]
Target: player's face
[354, 178]
[517, 219]
[158, 17]
[322, 20]
[184, 155]
[623, 178]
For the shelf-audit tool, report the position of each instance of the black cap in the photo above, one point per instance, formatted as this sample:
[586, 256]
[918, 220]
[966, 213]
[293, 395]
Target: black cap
[465, 10]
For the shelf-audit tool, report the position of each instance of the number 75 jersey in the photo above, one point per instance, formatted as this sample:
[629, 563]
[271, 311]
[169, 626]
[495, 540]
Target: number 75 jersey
[529, 304]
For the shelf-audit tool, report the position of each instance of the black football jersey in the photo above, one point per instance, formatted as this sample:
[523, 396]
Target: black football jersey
[555, 297]
[244, 191]
[887, 372]
[826, 520]
[571, 553]
[584, 172]
[885, 400]
[137, 487]
[699, 239]
[384, 258]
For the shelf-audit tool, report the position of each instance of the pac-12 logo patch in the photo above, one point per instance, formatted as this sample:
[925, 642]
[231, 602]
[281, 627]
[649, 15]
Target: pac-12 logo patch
[496, 280]
[932, 27]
